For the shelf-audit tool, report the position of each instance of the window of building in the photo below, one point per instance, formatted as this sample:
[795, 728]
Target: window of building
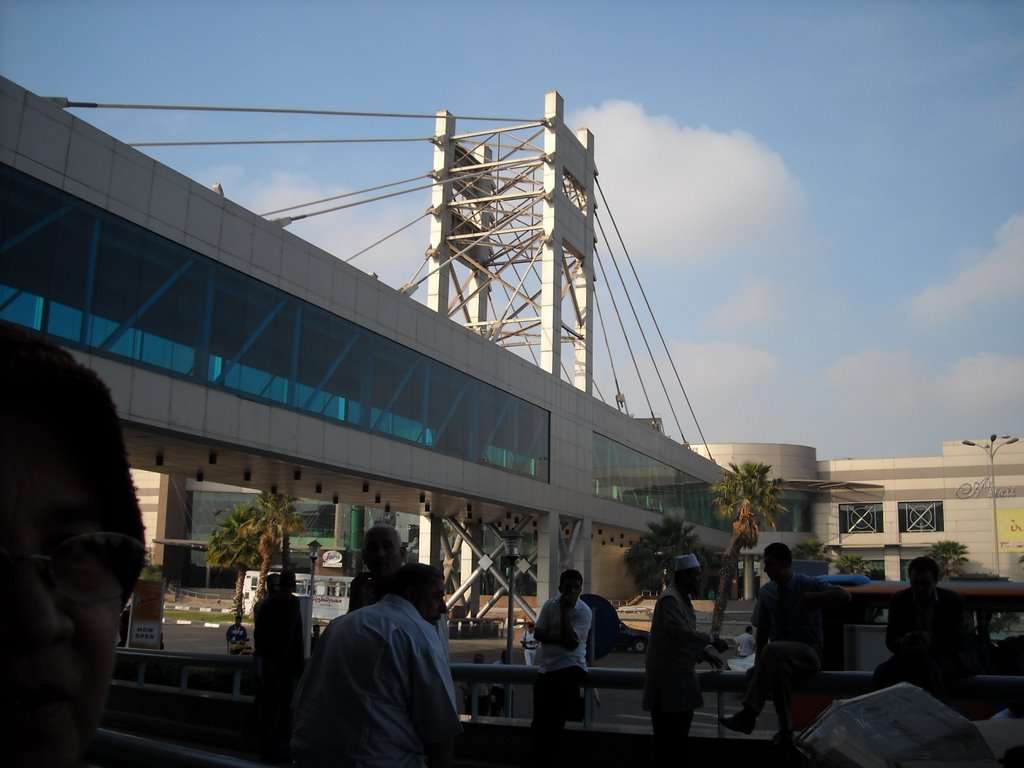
[920, 516]
[861, 518]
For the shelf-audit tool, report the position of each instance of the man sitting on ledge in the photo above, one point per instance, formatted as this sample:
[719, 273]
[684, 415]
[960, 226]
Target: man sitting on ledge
[789, 640]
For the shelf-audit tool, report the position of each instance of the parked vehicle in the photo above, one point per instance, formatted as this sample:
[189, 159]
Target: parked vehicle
[631, 639]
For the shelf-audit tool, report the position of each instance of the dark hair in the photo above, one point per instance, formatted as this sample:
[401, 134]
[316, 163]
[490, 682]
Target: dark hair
[287, 582]
[45, 384]
[924, 563]
[413, 576]
[779, 552]
[572, 573]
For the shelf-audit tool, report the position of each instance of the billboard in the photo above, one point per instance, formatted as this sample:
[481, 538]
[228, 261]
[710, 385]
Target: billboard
[1011, 530]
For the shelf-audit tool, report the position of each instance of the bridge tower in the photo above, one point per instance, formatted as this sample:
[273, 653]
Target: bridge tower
[512, 237]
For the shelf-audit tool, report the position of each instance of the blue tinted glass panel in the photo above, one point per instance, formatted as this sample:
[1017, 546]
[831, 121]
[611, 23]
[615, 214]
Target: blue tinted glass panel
[632, 478]
[93, 280]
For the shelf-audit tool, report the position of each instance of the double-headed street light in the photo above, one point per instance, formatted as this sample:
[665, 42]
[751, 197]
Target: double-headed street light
[990, 448]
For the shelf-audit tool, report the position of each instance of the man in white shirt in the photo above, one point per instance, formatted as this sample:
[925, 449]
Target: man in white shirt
[562, 629]
[378, 692]
[745, 643]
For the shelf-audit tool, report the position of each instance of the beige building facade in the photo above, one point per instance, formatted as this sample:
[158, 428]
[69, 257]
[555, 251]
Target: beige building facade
[891, 510]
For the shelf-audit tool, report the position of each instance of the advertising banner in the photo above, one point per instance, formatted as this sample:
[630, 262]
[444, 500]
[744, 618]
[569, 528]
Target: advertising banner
[147, 615]
[1011, 530]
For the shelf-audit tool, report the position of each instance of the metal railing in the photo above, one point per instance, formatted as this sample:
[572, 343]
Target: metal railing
[839, 684]
[113, 749]
[188, 661]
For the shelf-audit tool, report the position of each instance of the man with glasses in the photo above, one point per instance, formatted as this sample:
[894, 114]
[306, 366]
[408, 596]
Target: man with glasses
[71, 549]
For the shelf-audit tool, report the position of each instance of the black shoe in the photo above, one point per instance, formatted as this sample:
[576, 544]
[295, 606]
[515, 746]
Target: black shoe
[742, 722]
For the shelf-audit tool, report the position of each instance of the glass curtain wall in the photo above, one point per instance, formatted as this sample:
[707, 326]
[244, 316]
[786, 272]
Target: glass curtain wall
[632, 478]
[92, 280]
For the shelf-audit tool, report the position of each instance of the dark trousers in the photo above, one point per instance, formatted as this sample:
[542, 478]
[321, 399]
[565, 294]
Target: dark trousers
[556, 696]
[275, 714]
[918, 667]
[670, 728]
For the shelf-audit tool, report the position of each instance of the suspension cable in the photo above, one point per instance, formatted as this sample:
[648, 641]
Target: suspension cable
[668, 354]
[643, 336]
[387, 237]
[245, 142]
[625, 336]
[611, 358]
[348, 194]
[66, 103]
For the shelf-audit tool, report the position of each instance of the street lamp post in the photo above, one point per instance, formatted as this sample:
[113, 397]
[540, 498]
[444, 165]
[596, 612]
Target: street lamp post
[314, 555]
[512, 541]
[990, 448]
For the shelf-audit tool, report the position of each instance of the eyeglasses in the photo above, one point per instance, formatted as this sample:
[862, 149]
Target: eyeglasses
[89, 568]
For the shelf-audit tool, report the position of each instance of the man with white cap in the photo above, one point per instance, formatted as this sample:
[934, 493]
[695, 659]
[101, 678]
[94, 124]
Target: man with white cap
[671, 689]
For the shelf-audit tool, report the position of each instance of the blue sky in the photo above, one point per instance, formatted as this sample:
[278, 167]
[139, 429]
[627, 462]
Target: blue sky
[825, 201]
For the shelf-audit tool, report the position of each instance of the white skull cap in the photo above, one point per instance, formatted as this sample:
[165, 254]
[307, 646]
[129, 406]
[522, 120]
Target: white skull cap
[686, 562]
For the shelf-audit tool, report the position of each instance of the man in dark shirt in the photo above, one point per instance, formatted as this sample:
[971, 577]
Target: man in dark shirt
[925, 633]
[789, 640]
[278, 638]
[383, 555]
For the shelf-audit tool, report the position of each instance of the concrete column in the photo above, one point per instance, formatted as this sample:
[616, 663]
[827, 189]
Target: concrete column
[172, 523]
[549, 534]
[431, 531]
[584, 555]
[748, 577]
[469, 564]
[439, 282]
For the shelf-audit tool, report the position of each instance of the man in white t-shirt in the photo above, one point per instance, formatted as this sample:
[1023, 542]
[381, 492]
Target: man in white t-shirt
[745, 643]
[562, 629]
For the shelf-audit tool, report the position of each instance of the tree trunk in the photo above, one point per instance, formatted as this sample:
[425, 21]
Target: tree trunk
[286, 551]
[239, 588]
[726, 576]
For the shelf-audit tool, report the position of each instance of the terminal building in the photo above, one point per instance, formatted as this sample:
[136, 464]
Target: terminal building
[242, 357]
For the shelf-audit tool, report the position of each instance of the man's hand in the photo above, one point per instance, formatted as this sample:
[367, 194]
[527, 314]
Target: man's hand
[716, 662]
[720, 645]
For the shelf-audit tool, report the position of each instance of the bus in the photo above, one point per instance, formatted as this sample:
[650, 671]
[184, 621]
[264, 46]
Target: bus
[854, 634]
[330, 598]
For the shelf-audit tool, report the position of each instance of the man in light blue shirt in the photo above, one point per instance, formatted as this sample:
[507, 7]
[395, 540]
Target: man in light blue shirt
[789, 640]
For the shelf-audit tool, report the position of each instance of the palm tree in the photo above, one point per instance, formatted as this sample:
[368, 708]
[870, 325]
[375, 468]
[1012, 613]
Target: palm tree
[746, 496]
[275, 520]
[852, 564]
[812, 549]
[649, 561]
[231, 547]
[950, 555]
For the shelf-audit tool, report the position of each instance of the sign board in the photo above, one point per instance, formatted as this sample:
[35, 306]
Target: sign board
[605, 627]
[146, 623]
[1011, 530]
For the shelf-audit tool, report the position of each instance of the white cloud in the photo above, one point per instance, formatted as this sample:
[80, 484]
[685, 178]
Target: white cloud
[996, 276]
[688, 194]
[754, 304]
[984, 383]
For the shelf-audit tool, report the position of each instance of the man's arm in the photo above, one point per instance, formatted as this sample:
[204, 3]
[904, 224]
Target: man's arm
[760, 642]
[441, 754]
[824, 598]
[557, 627]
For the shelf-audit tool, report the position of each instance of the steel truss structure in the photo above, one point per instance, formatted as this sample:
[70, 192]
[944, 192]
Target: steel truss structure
[512, 237]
